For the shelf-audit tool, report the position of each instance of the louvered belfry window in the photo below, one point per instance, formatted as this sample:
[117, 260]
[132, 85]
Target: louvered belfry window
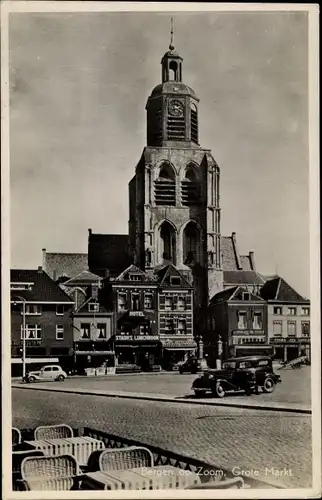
[194, 124]
[176, 128]
[190, 188]
[165, 187]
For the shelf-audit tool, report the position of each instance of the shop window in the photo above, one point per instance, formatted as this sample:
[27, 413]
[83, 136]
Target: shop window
[93, 307]
[33, 309]
[291, 311]
[242, 320]
[101, 330]
[168, 303]
[277, 328]
[59, 310]
[305, 311]
[291, 328]
[59, 332]
[257, 321]
[277, 311]
[135, 302]
[33, 332]
[148, 303]
[121, 302]
[181, 303]
[305, 328]
[85, 330]
[182, 327]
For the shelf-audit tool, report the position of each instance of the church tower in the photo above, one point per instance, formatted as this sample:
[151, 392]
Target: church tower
[174, 195]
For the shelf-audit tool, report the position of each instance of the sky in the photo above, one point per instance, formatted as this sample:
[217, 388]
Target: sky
[79, 83]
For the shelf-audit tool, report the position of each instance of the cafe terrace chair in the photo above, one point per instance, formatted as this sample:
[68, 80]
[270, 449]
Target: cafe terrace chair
[60, 431]
[15, 436]
[58, 473]
[120, 458]
[224, 484]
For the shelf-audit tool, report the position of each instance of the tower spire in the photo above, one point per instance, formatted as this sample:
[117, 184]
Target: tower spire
[171, 46]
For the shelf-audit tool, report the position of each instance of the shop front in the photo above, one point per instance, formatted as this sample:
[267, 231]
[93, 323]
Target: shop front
[251, 344]
[140, 350]
[289, 348]
[175, 351]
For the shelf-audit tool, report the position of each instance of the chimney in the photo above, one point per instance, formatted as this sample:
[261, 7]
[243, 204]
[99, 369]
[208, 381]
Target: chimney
[40, 269]
[252, 261]
[44, 258]
[89, 232]
[233, 237]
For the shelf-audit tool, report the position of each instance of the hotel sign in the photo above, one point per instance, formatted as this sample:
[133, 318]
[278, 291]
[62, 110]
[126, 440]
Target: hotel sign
[136, 337]
[136, 314]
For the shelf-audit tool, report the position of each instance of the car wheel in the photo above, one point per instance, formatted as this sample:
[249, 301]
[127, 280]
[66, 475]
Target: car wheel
[61, 378]
[269, 385]
[199, 393]
[218, 390]
[31, 379]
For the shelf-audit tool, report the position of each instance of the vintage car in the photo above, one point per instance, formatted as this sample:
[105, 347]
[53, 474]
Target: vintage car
[238, 374]
[48, 372]
[192, 365]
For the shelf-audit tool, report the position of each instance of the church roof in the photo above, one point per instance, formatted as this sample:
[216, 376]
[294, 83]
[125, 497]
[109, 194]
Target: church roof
[278, 289]
[60, 264]
[108, 252]
[242, 278]
[175, 88]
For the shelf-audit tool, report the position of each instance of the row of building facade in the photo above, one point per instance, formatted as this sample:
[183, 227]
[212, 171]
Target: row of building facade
[81, 319]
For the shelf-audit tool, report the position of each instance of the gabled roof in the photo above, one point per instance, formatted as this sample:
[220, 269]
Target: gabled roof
[44, 289]
[242, 278]
[84, 278]
[64, 264]
[108, 252]
[164, 277]
[223, 296]
[233, 293]
[132, 269]
[278, 289]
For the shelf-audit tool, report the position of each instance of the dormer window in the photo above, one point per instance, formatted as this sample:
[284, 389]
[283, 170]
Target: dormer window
[246, 296]
[21, 286]
[93, 307]
[135, 277]
[175, 281]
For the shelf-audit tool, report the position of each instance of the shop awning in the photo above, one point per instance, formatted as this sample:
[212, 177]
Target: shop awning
[94, 353]
[18, 361]
[173, 345]
[137, 346]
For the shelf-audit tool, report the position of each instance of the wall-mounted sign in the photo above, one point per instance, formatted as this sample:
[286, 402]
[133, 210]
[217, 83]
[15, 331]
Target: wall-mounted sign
[248, 332]
[136, 337]
[136, 313]
[292, 340]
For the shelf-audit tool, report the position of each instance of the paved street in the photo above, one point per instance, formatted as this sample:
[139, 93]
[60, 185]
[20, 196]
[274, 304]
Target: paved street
[228, 438]
[295, 386]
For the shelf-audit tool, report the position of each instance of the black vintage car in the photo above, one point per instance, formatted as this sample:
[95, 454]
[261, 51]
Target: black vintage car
[247, 374]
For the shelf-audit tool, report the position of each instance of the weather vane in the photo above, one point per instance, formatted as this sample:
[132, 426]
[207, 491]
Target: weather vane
[171, 46]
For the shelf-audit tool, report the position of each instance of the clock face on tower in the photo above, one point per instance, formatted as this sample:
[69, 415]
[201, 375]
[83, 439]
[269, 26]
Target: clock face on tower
[175, 108]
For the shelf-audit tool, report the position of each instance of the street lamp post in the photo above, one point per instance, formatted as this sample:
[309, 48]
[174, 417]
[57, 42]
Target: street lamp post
[23, 300]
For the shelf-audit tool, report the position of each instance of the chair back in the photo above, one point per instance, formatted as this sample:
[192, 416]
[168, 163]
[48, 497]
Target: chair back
[48, 468]
[120, 458]
[15, 436]
[53, 432]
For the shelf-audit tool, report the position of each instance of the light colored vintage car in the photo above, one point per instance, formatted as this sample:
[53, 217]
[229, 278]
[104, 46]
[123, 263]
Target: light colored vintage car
[47, 372]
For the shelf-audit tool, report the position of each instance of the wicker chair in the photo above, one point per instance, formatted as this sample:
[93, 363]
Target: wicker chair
[225, 484]
[53, 432]
[58, 473]
[120, 458]
[15, 436]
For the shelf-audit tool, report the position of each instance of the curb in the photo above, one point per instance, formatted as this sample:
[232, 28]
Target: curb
[168, 399]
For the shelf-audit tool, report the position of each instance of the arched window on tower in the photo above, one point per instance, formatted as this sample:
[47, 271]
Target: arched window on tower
[168, 242]
[194, 123]
[191, 244]
[165, 187]
[173, 71]
[190, 188]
